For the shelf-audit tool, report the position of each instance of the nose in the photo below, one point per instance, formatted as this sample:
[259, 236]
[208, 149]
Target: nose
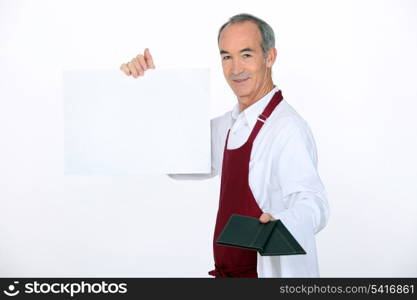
[237, 66]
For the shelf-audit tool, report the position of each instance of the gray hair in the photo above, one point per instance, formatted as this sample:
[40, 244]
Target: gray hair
[267, 34]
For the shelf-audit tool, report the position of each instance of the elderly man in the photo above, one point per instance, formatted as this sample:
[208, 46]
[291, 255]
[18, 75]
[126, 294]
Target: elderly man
[265, 153]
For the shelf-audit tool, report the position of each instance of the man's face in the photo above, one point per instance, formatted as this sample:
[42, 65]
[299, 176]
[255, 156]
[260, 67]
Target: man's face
[244, 64]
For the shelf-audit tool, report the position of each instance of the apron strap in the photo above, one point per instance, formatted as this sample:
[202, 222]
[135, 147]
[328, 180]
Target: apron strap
[240, 271]
[276, 99]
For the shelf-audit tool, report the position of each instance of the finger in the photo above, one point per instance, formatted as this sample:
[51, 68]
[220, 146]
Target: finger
[142, 62]
[125, 69]
[264, 218]
[132, 69]
[138, 66]
[149, 59]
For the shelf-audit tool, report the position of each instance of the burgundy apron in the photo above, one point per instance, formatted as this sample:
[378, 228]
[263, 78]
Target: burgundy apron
[236, 197]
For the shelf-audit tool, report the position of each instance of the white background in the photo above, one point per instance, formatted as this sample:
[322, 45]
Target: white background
[348, 67]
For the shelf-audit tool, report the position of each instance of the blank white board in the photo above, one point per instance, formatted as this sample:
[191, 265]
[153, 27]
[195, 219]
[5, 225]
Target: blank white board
[119, 125]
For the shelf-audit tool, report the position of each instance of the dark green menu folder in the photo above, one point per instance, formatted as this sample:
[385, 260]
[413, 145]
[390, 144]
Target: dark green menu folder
[271, 238]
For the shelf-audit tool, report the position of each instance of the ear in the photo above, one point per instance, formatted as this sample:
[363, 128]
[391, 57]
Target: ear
[271, 57]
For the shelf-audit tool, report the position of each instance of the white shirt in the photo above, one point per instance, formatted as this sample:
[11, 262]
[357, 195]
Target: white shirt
[283, 178]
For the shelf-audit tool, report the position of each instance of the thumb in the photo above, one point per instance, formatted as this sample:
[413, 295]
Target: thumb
[148, 58]
[265, 218]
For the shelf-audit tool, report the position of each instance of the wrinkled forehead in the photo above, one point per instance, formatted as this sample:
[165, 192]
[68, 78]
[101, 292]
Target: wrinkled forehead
[237, 36]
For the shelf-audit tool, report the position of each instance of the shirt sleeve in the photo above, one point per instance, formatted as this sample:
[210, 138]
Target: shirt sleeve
[306, 207]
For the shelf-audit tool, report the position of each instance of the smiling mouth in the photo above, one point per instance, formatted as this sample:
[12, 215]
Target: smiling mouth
[240, 80]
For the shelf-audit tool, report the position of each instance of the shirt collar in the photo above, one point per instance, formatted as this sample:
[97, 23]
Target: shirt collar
[251, 113]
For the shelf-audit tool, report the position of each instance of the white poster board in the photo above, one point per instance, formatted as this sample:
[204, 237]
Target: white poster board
[119, 125]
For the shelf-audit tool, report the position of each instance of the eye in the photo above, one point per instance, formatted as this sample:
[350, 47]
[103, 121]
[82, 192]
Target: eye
[226, 57]
[246, 55]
